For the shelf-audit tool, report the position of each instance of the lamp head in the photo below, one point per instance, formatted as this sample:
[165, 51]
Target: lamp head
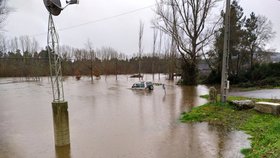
[53, 6]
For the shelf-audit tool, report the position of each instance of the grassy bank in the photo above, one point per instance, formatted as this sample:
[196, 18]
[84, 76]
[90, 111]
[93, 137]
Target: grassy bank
[264, 128]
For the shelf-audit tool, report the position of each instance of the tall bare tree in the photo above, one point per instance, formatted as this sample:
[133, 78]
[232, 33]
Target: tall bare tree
[172, 59]
[186, 22]
[3, 44]
[109, 54]
[91, 53]
[140, 47]
[159, 49]
[154, 51]
[259, 32]
[4, 11]
[34, 47]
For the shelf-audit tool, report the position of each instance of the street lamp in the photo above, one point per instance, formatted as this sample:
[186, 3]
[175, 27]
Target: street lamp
[59, 105]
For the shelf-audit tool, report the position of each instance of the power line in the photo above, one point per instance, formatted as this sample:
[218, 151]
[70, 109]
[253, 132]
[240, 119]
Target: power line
[98, 20]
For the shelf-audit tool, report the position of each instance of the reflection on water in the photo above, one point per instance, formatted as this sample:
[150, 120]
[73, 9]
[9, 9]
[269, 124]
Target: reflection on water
[109, 120]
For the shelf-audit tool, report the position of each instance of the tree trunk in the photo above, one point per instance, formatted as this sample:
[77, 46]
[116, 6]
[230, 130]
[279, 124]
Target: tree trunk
[190, 72]
[91, 70]
[238, 65]
[251, 59]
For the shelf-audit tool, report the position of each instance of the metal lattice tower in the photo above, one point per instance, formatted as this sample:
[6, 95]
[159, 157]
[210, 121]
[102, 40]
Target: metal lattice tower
[55, 62]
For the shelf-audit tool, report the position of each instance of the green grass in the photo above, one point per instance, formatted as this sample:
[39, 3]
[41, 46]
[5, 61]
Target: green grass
[264, 128]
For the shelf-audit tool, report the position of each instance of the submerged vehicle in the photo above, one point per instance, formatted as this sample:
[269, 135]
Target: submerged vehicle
[143, 86]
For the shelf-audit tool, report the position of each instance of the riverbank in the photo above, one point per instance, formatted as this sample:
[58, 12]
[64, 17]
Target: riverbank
[264, 128]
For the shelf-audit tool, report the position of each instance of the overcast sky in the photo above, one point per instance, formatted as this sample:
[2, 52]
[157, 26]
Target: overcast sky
[113, 23]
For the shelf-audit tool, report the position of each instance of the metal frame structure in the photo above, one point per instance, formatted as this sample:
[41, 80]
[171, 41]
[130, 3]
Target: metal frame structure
[55, 62]
[54, 8]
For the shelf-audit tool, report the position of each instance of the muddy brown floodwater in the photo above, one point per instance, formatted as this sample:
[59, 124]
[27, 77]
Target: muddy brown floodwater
[109, 120]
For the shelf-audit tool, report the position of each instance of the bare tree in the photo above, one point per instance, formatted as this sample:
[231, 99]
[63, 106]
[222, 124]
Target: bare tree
[159, 49]
[4, 11]
[66, 52]
[259, 32]
[34, 46]
[78, 54]
[13, 46]
[25, 44]
[172, 59]
[28, 45]
[22, 43]
[91, 52]
[154, 51]
[109, 54]
[3, 44]
[168, 46]
[186, 22]
[140, 51]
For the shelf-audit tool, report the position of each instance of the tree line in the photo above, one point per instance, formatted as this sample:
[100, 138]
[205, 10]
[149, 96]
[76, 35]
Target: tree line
[27, 62]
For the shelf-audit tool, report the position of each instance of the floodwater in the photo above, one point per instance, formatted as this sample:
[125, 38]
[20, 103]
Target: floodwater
[109, 120]
[263, 93]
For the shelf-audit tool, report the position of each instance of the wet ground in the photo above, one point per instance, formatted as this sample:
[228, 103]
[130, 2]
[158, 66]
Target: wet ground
[109, 120]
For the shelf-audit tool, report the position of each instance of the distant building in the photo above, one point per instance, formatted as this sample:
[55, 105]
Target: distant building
[274, 57]
[204, 68]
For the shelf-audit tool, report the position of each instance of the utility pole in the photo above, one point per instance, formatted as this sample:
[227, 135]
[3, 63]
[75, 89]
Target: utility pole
[225, 82]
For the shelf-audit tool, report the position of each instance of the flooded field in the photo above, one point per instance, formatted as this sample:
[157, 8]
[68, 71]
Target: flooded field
[109, 120]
